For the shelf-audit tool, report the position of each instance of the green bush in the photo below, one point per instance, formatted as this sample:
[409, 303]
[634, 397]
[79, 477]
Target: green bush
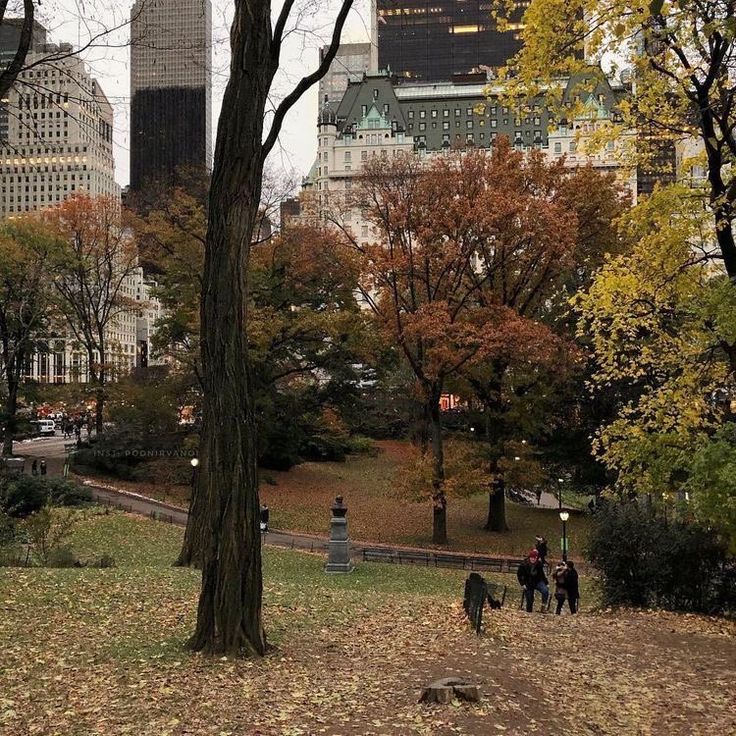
[648, 561]
[22, 495]
[62, 557]
[360, 445]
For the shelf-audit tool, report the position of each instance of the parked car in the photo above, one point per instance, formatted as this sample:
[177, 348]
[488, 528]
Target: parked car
[44, 427]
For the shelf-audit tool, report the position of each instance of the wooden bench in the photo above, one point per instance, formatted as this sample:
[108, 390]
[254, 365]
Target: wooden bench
[378, 555]
[413, 557]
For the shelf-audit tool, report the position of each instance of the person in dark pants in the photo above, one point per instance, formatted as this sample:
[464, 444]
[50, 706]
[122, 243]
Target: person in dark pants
[34, 467]
[538, 492]
[264, 518]
[560, 579]
[531, 577]
[572, 586]
[541, 547]
[42, 466]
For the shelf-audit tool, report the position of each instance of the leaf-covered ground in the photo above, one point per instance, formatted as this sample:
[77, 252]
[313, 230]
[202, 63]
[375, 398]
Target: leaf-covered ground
[300, 500]
[87, 651]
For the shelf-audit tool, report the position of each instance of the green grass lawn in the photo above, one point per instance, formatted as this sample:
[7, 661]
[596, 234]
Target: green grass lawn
[300, 501]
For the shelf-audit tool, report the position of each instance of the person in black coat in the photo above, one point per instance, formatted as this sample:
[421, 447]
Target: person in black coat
[572, 586]
[531, 577]
[541, 547]
[264, 518]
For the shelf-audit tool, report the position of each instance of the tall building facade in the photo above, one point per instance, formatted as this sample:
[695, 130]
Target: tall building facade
[433, 40]
[171, 89]
[379, 118]
[351, 62]
[58, 133]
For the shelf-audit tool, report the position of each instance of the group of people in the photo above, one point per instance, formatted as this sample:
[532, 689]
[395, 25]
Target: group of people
[533, 577]
[37, 467]
[73, 425]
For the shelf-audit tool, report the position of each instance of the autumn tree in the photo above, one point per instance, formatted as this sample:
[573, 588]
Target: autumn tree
[662, 322]
[93, 270]
[27, 249]
[419, 278]
[681, 57]
[171, 236]
[305, 332]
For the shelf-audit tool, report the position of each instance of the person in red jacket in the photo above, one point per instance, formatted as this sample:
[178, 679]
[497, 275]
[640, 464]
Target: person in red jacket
[531, 578]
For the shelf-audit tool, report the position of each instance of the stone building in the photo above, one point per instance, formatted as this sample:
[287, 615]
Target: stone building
[58, 139]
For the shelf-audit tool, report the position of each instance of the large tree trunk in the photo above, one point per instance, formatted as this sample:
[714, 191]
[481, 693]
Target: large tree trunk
[496, 521]
[226, 503]
[10, 410]
[439, 500]
[494, 430]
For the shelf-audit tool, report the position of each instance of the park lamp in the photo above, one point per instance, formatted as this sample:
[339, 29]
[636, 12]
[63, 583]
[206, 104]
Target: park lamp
[564, 515]
[194, 461]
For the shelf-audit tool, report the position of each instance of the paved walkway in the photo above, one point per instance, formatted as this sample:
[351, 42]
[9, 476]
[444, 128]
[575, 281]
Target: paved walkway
[139, 504]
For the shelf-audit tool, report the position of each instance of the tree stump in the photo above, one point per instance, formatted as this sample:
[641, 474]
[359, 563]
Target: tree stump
[444, 690]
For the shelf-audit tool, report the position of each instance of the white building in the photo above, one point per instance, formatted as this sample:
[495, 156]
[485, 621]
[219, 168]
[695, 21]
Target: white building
[379, 118]
[59, 134]
[61, 359]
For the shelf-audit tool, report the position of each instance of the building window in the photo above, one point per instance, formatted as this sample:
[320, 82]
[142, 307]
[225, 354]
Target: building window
[457, 112]
[434, 113]
[446, 125]
[469, 124]
[422, 113]
[364, 155]
[422, 126]
[573, 147]
[558, 147]
[494, 123]
[446, 113]
[410, 115]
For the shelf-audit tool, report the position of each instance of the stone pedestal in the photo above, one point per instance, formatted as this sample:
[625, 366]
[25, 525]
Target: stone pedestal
[338, 559]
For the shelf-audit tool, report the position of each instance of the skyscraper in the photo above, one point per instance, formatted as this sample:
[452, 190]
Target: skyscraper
[57, 135]
[432, 40]
[171, 89]
[351, 61]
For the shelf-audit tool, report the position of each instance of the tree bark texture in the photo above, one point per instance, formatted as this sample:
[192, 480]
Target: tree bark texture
[10, 410]
[225, 514]
[439, 500]
[225, 510]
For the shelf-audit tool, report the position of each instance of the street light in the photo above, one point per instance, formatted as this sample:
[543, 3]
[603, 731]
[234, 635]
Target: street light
[564, 516]
[559, 495]
[194, 462]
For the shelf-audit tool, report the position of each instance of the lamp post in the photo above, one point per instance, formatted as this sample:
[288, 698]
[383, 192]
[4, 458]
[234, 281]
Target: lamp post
[194, 462]
[559, 494]
[564, 516]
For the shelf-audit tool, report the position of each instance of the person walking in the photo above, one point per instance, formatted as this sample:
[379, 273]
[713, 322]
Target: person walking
[265, 513]
[541, 547]
[538, 492]
[560, 579]
[531, 577]
[42, 466]
[572, 586]
[34, 467]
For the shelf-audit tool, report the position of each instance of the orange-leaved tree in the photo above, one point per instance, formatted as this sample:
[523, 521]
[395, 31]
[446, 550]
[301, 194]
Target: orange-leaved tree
[420, 282]
[94, 264]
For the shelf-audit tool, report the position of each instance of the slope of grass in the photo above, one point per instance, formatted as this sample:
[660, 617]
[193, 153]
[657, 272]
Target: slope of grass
[90, 652]
[300, 501]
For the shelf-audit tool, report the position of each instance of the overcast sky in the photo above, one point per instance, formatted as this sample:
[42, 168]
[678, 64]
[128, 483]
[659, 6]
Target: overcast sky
[76, 21]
